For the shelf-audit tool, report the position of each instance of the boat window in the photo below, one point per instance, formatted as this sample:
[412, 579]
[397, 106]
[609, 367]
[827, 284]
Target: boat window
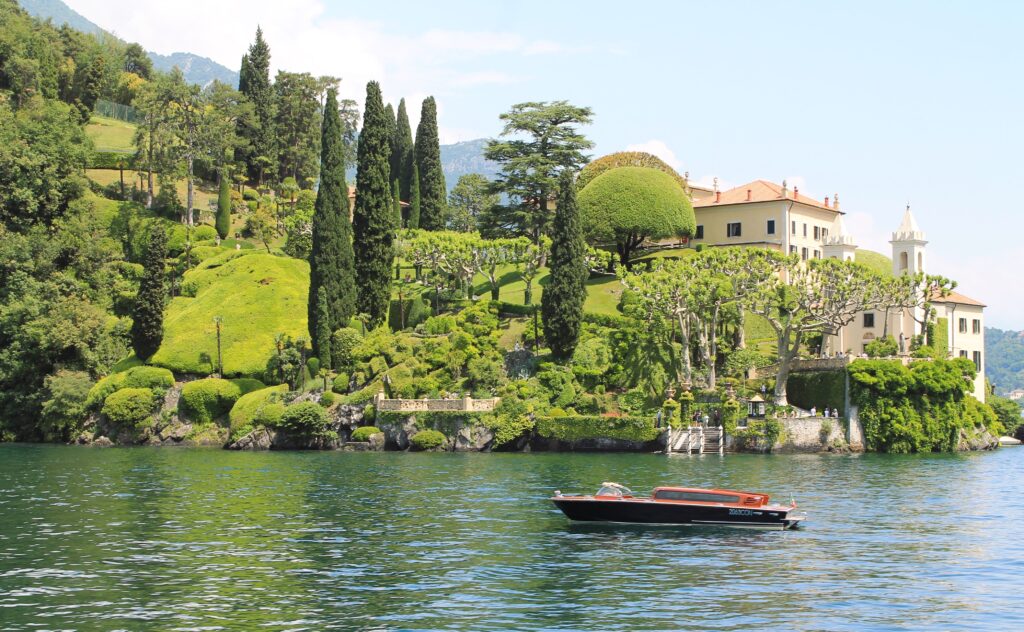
[609, 491]
[705, 497]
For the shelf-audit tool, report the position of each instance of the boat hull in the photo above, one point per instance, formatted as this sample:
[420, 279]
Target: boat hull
[644, 511]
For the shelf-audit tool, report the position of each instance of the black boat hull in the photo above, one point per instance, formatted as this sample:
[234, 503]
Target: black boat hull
[666, 513]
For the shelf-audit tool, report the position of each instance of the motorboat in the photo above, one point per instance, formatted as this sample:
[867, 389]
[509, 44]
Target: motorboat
[679, 506]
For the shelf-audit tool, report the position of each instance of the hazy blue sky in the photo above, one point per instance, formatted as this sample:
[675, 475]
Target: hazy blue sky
[882, 102]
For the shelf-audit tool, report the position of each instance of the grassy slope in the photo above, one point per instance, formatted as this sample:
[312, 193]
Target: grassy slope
[876, 261]
[109, 134]
[258, 296]
[205, 192]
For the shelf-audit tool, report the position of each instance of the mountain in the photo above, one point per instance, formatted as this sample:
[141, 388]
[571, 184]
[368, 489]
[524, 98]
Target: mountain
[197, 69]
[1004, 359]
[466, 157]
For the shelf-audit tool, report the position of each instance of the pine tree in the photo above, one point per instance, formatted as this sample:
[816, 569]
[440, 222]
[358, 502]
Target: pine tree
[414, 199]
[397, 204]
[433, 194]
[562, 301]
[331, 260]
[148, 312]
[223, 222]
[373, 219]
[323, 328]
[254, 83]
[402, 157]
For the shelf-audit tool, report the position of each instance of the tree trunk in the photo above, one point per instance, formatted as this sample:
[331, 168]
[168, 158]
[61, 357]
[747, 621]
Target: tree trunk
[712, 349]
[191, 192]
[740, 336]
[684, 332]
[528, 293]
[786, 355]
[495, 290]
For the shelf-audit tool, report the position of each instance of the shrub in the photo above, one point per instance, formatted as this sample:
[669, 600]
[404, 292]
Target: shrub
[343, 343]
[313, 365]
[305, 418]
[205, 400]
[438, 325]
[256, 408]
[327, 399]
[129, 407]
[575, 428]
[152, 377]
[364, 433]
[63, 411]
[340, 384]
[427, 440]
[886, 347]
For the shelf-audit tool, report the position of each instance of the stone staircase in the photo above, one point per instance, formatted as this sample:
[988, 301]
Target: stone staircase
[696, 440]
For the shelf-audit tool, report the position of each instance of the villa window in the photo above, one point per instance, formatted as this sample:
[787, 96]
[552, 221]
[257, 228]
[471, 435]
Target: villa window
[803, 254]
[792, 250]
[733, 229]
[805, 230]
[771, 227]
[824, 233]
[869, 320]
[794, 227]
[963, 325]
[963, 353]
[817, 232]
[817, 254]
[977, 360]
[976, 326]
[700, 232]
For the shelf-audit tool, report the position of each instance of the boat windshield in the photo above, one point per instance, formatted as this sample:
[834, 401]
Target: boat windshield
[613, 489]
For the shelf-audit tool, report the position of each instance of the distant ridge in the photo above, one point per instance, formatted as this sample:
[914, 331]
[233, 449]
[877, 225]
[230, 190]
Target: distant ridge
[197, 69]
[466, 157]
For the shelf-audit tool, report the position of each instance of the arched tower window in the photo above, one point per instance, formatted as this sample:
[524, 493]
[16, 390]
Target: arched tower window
[920, 261]
[904, 261]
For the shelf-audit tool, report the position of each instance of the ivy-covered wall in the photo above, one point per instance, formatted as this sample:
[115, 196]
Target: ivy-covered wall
[579, 427]
[818, 389]
[941, 339]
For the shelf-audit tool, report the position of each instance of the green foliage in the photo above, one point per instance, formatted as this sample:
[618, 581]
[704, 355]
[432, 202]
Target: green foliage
[579, 427]
[627, 159]
[402, 153]
[129, 407]
[257, 408]
[148, 312]
[630, 204]
[562, 300]
[742, 360]
[254, 83]
[470, 198]
[364, 433]
[432, 189]
[63, 411]
[322, 340]
[1004, 359]
[1007, 411]
[306, 419]
[818, 389]
[730, 416]
[287, 364]
[155, 378]
[510, 420]
[328, 399]
[331, 258]
[886, 347]
[921, 408]
[343, 344]
[415, 200]
[938, 337]
[223, 223]
[205, 400]
[427, 440]
[373, 223]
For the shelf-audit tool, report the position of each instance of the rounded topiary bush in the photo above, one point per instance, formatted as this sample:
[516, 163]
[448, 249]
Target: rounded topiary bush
[129, 407]
[205, 400]
[259, 407]
[327, 399]
[343, 344]
[428, 440]
[340, 384]
[625, 159]
[306, 418]
[152, 377]
[364, 433]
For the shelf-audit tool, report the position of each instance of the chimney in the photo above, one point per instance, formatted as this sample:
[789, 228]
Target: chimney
[835, 203]
[718, 196]
[785, 191]
[796, 193]
[826, 201]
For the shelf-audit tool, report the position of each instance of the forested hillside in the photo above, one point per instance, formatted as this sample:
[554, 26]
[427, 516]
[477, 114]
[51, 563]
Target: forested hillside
[1004, 351]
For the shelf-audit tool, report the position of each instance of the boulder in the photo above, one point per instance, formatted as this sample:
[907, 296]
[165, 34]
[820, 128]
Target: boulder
[475, 438]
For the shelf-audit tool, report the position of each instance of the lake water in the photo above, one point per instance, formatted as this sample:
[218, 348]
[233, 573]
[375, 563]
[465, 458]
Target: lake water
[192, 539]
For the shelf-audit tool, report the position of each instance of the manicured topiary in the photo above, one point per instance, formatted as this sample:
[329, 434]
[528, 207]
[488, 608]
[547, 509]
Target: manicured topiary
[327, 399]
[427, 440]
[205, 400]
[364, 433]
[224, 206]
[343, 342]
[152, 377]
[129, 407]
[340, 384]
[257, 407]
[626, 159]
[305, 418]
[630, 204]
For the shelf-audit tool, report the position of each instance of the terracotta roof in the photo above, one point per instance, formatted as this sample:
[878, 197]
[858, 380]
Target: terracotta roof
[958, 298]
[760, 191]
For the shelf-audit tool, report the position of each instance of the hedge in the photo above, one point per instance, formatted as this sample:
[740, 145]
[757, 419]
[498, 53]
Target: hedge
[427, 440]
[110, 160]
[258, 407]
[578, 427]
[151, 377]
[129, 407]
[818, 389]
[606, 320]
[305, 418]
[205, 400]
[514, 309]
[364, 433]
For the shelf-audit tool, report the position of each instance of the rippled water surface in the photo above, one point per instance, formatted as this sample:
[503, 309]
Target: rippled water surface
[177, 539]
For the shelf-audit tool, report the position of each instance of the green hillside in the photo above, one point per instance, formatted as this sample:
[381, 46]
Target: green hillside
[256, 294]
[109, 134]
[875, 261]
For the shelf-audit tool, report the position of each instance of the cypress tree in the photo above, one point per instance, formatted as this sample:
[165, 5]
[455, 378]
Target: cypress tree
[323, 328]
[389, 117]
[330, 259]
[414, 199]
[562, 300]
[148, 312]
[373, 220]
[402, 156]
[223, 223]
[254, 83]
[433, 195]
[397, 204]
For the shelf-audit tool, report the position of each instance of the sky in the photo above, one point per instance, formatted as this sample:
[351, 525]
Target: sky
[886, 103]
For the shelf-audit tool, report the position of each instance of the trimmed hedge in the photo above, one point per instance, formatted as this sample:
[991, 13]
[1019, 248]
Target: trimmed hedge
[110, 160]
[578, 427]
[151, 377]
[258, 407]
[129, 407]
[514, 309]
[205, 400]
[606, 320]
[818, 389]
[306, 418]
[427, 440]
[364, 433]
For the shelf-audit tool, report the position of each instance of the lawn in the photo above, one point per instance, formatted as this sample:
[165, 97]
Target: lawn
[109, 134]
[875, 261]
[205, 192]
[257, 295]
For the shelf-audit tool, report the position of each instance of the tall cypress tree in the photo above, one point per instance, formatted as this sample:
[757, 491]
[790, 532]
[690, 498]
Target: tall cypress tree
[389, 117]
[372, 222]
[254, 83]
[148, 312]
[223, 223]
[323, 328]
[414, 199]
[562, 301]
[402, 155]
[396, 204]
[433, 195]
[331, 260]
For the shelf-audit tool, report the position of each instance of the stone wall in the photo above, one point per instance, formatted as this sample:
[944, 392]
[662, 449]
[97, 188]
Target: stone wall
[462, 404]
[811, 434]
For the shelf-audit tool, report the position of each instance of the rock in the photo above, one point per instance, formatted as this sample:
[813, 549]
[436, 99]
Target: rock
[102, 441]
[377, 441]
[259, 439]
[475, 438]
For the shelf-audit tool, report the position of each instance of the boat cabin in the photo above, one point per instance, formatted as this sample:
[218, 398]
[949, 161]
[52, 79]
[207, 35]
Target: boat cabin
[711, 496]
